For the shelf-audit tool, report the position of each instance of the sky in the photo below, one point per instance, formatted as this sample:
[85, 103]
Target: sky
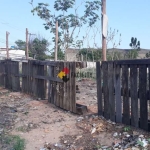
[130, 17]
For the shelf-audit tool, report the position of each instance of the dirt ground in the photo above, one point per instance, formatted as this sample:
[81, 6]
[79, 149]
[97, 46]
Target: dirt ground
[46, 127]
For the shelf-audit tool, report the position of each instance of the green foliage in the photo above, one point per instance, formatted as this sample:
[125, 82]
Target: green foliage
[131, 54]
[38, 48]
[20, 44]
[134, 43]
[13, 141]
[147, 55]
[67, 22]
[60, 55]
[135, 47]
[126, 129]
[91, 54]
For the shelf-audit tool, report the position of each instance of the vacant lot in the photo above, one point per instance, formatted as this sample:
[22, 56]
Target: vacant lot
[26, 123]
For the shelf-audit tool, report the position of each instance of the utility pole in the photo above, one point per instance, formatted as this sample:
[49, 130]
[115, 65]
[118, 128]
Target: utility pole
[27, 54]
[103, 37]
[7, 50]
[56, 41]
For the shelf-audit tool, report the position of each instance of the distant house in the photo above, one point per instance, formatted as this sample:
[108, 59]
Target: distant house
[72, 54]
[13, 54]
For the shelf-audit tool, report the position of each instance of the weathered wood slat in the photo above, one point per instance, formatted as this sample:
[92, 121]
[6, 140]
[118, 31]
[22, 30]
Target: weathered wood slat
[50, 86]
[105, 88]
[111, 91]
[143, 99]
[70, 85]
[25, 79]
[118, 94]
[133, 62]
[61, 87]
[65, 92]
[2, 72]
[49, 63]
[134, 96]
[125, 89]
[54, 86]
[35, 84]
[73, 88]
[99, 88]
[41, 83]
[57, 84]
[15, 80]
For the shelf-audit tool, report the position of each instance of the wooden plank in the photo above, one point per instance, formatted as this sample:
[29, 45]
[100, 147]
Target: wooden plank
[143, 99]
[111, 91]
[49, 83]
[118, 94]
[73, 88]
[55, 84]
[49, 63]
[134, 96]
[57, 68]
[8, 79]
[30, 77]
[15, 80]
[105, 88]
[35, 84]
[65, 92]
[24, 79]
[71, 102]
[68, 89]
[99, 88]
[53, 88]
[133, 62]
[61, 87]
[41, 83]
[2, 71]
[125, 89]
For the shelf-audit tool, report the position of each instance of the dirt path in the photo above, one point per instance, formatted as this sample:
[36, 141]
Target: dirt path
[46, 127]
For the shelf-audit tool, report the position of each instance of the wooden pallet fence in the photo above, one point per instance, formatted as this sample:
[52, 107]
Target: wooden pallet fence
[2, 73]
[119, 98]
[34, 77]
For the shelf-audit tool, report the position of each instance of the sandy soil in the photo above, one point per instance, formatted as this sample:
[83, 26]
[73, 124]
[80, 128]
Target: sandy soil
[42, 124]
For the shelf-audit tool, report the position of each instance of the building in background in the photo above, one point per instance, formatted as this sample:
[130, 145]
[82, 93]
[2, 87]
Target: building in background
[13, 54]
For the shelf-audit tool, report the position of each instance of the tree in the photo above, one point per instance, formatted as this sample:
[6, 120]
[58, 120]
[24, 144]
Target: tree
[135, 44]
[20, 44]
[135, 47]
[68, 22]
[38, 47]
[91, 54]
[111, 34]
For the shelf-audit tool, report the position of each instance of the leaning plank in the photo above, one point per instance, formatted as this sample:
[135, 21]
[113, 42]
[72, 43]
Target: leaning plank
[111, 90]
[143, 97]
[105, 88]
[134, 96]
[99, 88]
[118, 94]
[125, 89]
